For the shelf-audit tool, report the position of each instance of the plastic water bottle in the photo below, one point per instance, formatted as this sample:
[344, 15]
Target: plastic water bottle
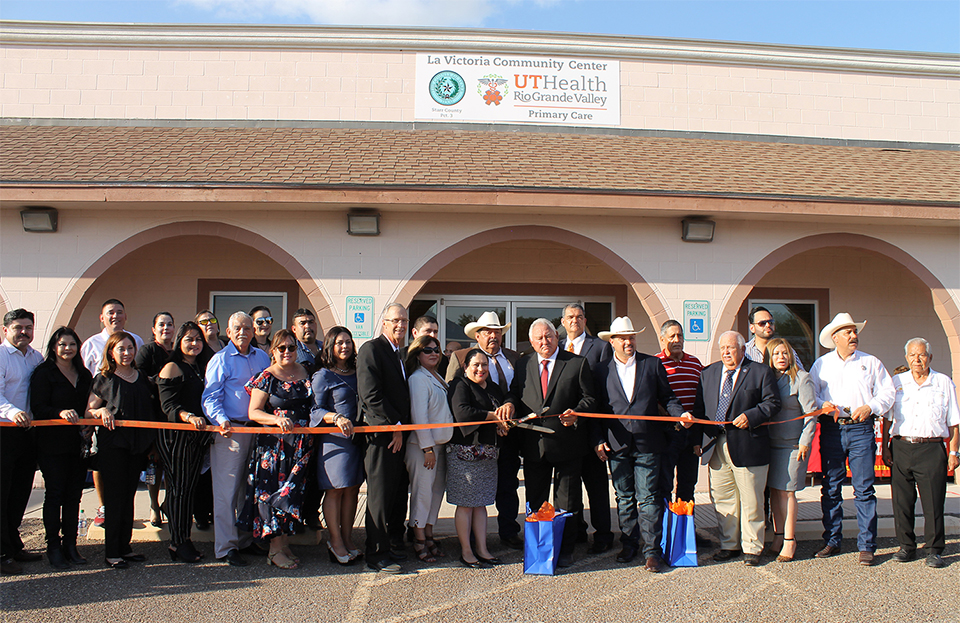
[82, 525]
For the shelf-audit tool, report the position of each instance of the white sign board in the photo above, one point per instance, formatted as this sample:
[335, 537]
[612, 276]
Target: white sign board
[696, 321]
[546, 90]
[359, 316]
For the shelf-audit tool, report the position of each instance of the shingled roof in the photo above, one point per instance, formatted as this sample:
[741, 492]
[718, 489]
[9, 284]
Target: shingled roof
[478, 160]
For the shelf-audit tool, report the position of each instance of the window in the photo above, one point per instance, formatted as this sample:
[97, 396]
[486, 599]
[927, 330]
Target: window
[224, 304]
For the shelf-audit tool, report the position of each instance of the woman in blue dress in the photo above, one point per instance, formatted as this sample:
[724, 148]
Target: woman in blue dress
[280, 396]
[340, 463]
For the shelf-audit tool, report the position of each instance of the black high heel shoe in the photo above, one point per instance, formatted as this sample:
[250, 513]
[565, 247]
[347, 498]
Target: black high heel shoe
[474, 565]
[185, 552]
[72, 555]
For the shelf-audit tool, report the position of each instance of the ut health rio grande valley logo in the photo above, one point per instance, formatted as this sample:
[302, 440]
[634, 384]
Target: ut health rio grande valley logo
[492, 83]
[447, 88]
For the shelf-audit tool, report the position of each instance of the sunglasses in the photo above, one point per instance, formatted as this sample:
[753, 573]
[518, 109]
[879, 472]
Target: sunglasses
[431, 350]
[286, 348]
[763, 323]
[207, 321]
[264, 320]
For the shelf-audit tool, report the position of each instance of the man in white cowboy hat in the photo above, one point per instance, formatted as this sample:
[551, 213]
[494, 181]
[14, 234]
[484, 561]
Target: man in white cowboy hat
[632, 383]
[488, 333]
[856, 387]
[596, 481]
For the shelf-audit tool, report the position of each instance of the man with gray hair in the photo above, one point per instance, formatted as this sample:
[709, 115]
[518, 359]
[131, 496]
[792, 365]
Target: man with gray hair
[384, 401]
[553, 382]
[740, 395]
[924, 413]
[226, 404]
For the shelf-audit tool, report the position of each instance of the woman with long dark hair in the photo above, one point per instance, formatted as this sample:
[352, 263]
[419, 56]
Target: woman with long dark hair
[181, 389]
[58, 390]
[120, 392]
[340, 460]
[150, 359]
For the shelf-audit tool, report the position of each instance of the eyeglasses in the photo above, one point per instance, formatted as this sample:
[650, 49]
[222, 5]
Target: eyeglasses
[397, 320]
[763, 323]
[207, 321]
[430, 350]
[265, 320]
[286, 348]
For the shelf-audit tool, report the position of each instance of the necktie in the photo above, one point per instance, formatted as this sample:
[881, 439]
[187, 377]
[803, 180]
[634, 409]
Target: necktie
[725, 394]
[569, 346]
[501, 377]
[545, 377]
[403, 370]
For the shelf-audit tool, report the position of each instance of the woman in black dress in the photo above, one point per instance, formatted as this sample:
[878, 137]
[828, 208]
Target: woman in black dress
[150, 359]
[472, 457]
[59, 389]
[119, 392]
[181, 389]
[280, 396]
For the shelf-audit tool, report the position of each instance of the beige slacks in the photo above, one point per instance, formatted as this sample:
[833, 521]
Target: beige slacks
[737, 495]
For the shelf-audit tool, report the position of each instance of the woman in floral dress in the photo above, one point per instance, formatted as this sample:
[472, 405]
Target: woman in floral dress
[280, 396]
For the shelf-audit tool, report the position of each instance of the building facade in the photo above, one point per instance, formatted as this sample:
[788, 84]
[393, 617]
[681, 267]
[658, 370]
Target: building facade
[212, 166]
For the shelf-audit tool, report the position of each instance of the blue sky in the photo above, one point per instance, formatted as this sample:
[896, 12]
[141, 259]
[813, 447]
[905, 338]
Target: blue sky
[930, 26]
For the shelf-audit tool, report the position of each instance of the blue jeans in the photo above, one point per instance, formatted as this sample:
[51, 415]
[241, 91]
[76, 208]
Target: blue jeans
[857, 444]
[635, 478]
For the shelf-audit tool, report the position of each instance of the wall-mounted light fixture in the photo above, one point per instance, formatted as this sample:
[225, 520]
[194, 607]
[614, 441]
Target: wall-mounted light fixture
[39, 219]
[698, 230]
[363, 223]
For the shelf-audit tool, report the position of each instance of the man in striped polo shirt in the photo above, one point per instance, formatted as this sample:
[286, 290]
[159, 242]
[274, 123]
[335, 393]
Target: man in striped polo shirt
[683, 374]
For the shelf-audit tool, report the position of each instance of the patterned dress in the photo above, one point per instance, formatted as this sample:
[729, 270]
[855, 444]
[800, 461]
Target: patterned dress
[278, 463]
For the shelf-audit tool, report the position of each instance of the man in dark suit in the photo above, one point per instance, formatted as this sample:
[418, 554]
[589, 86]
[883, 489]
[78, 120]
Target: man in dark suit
[562, 383]
[740, 395]
[384, 400]
[488, 332]
[594, 471]
[634, 384]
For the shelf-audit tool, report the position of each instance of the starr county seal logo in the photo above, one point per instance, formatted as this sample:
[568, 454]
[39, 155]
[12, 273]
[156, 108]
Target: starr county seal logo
[447, 88]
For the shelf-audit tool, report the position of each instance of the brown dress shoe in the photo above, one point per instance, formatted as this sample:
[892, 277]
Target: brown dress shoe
[827, 552]
[866, 559]
[654, 565]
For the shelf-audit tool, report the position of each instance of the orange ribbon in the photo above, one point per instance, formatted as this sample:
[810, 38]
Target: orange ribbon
[311, 430]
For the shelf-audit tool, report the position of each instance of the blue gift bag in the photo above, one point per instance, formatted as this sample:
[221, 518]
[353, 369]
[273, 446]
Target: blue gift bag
[541, 544]
[679, 542]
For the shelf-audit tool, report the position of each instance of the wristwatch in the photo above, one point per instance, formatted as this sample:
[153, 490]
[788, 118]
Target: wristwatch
[955, 453]
[426, 450]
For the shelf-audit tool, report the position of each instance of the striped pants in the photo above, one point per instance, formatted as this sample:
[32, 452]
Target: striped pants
[182, 455]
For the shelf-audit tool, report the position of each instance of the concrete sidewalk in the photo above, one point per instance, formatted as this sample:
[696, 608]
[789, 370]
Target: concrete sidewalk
[809, 527]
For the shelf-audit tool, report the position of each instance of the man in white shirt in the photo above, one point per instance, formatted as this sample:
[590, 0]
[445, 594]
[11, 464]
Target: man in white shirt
[113, 317]
[856, 387]
[924, 413]
[18, 458]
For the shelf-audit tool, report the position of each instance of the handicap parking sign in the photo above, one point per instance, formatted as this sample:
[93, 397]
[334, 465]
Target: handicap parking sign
[358, 317]
[696, 320]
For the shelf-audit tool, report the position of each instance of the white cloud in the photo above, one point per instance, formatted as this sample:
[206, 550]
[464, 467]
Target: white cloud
[359, 12]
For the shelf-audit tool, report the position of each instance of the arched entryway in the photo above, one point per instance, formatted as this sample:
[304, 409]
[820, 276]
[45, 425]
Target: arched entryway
[174, 267]
[870, 278]
[525, 262]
